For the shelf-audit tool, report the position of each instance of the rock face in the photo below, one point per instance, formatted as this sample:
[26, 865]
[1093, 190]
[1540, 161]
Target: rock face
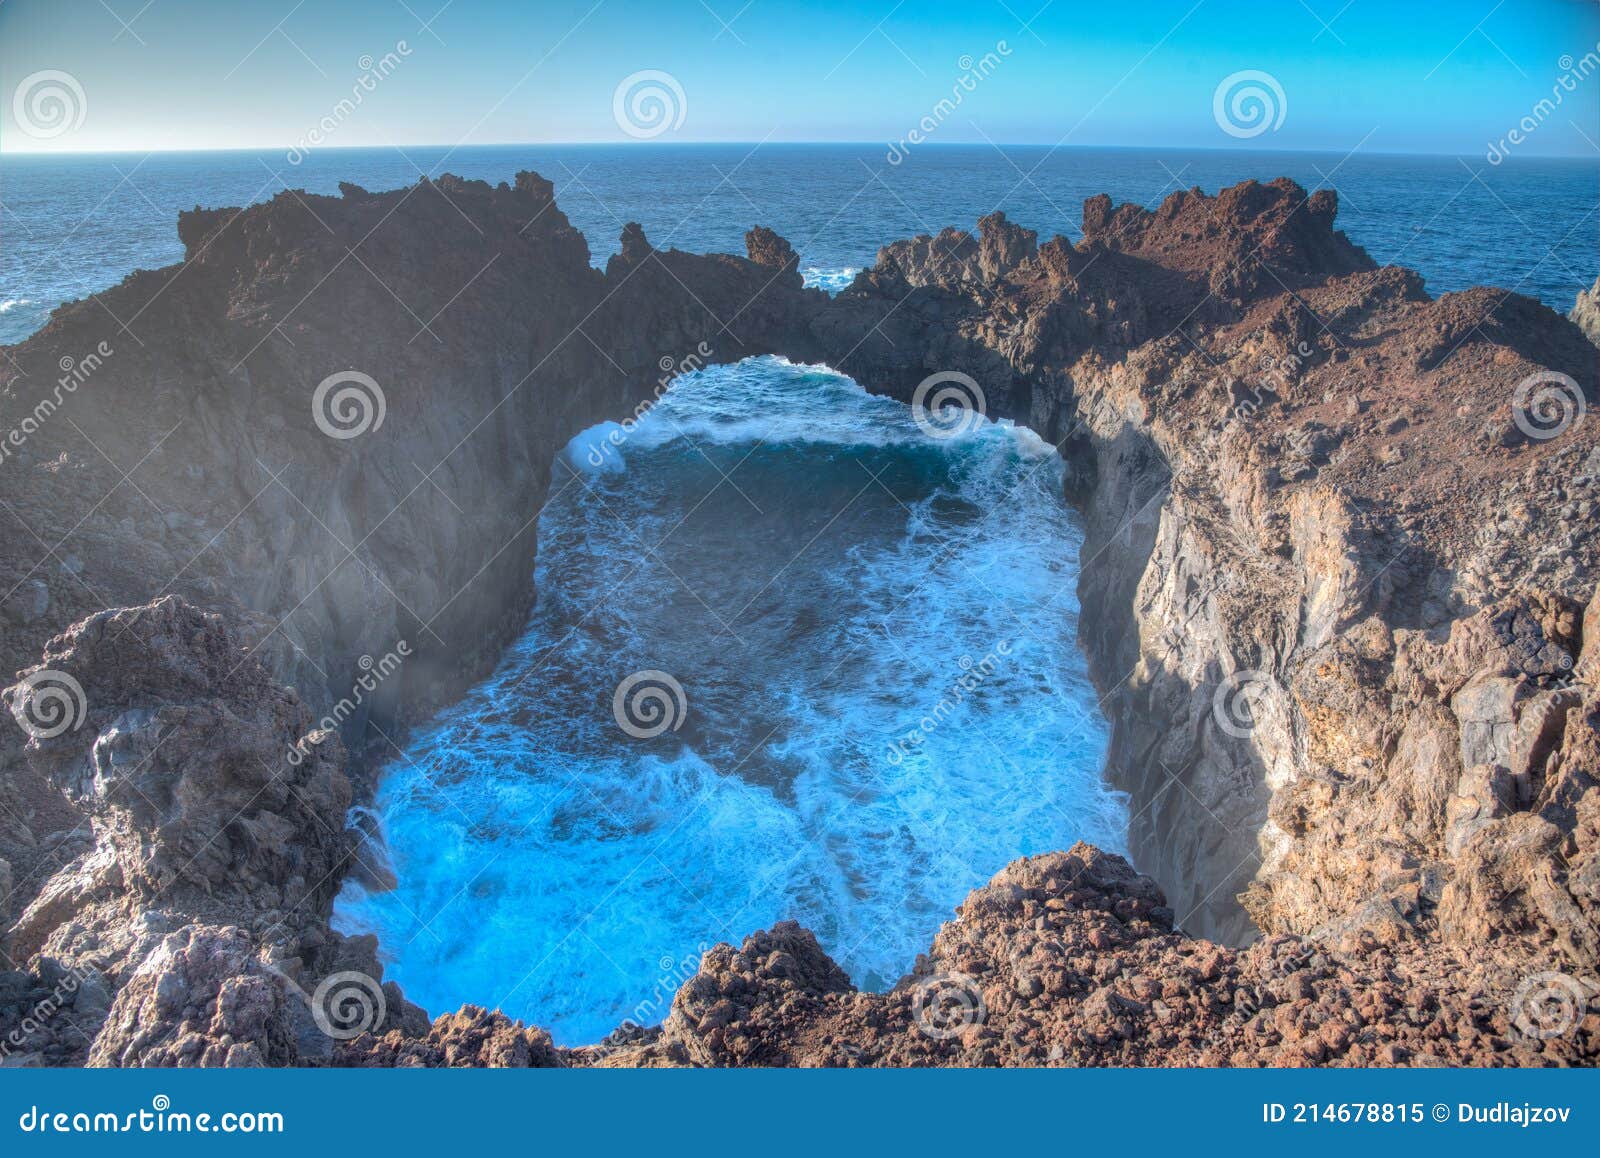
[1339, 594]
[1586, 314]
[955, 258]
[334, 518]
[198, 999]
[216, 811]
[183, 756]
[1070, 959]
[472, 1037]
[1331, 549]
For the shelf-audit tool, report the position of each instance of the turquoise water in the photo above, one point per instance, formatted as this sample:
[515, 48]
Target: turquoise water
[882, 703]
[74, 225]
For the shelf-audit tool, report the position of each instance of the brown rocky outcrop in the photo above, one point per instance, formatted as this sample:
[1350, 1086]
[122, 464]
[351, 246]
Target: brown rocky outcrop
[198, 999]
[1070, 959]
[399, 507]
[191, 767]
[216, 812]
[955, 257]
[472, 1037]
[766, 248]
[1586, 313]
[1339, 595]
[1301, 498]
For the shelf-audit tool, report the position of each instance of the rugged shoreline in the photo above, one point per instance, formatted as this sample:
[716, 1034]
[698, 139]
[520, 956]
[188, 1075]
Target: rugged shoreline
[1334, 594]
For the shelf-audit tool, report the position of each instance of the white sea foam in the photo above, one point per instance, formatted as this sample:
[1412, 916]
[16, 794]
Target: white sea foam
[876, 636]
[831, 278]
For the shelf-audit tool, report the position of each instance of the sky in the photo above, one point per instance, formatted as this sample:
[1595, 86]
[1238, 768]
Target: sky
[1442, 76]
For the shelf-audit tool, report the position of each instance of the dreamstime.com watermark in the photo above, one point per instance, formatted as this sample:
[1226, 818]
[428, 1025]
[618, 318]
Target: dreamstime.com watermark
[1573, 74]
[1239, 700]
[973, 73]
[74, 373]
[344, 1005]
[1548, 404]
[671, 370]
[973, 676]
[373, 73]
[1551, 1004]
[947, 1004]
[1276, 375]
[674, 973]
[160, 1118]
[374, 672]
[46, 1008]
[1246, 401]
[948, 404]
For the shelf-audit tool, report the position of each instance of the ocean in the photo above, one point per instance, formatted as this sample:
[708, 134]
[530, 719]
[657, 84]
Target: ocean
[73, 225]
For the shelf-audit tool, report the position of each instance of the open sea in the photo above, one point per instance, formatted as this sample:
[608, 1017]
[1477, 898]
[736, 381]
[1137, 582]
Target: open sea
[72, 225]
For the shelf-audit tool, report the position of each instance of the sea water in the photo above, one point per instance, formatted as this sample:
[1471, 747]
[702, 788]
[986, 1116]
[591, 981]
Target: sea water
[863, 682]
[72, 225]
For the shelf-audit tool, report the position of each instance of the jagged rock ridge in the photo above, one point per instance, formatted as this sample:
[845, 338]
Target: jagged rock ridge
[1334, 592]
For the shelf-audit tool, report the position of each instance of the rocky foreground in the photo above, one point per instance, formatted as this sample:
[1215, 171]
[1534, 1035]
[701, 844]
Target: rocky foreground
[1339, 592]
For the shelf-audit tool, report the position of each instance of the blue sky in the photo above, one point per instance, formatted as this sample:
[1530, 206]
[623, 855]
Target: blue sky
[1381, 75]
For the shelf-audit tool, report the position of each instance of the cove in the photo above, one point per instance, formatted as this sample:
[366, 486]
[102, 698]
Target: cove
[850, 692]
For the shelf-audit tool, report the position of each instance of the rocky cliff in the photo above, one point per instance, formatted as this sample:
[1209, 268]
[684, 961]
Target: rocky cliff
[1586, 313]
[1338, 585]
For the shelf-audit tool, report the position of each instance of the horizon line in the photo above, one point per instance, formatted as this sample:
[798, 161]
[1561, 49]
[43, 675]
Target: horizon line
[756, 145]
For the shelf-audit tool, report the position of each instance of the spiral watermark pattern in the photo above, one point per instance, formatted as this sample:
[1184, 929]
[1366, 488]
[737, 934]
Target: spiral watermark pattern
[649, 103]
[348, 404]
[947, 1003]
[48, 703]
[1548, 1004]
[1236, 701]
[348, 1004]
[1249, 103]
[948, 404]
[49, 103]
[648, 703]
[973, 72]
[1546, 405]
